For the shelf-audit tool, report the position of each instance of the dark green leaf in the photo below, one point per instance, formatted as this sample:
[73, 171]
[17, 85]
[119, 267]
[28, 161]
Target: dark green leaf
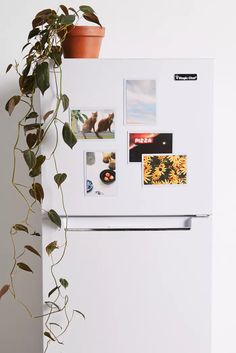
[85, 116]
[51, 247]
[26, 45]
[40, 160]
[4, 290]
[60, 178]
[36, 234]
[35, 172]
[30, 158]
[65, 102]
[31, 140]
[20, 227]
[68, 135]
[24, 267]
[64, 282]
[64, 9]
[37, 192]
[27, 84]
[34, 32]
[47, 114]
[38, 21]
[47, 334]
[42, 76]
[33, 250]
[44, 13]
[54, 217]
[52, 291]
[67, 19]
[85, 8]
[73, 10]
[30, 127]
[12, 102]
[9, 67]
[79, 312]
[80, 118]
[91, 17]
[26, 69]
[32, 115]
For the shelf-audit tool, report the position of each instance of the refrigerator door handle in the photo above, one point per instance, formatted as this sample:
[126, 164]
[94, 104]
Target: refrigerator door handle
[128, 223]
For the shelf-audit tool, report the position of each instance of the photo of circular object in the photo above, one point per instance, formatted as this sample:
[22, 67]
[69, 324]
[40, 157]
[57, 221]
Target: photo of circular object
[108, 176]
[89, 185]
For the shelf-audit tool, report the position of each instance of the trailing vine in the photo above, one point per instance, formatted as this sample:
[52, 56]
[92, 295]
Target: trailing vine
[49, 29]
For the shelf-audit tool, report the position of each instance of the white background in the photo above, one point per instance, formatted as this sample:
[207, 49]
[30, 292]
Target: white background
[154, 28]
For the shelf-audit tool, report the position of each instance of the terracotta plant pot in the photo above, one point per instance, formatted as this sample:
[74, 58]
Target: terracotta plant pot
[83, 42]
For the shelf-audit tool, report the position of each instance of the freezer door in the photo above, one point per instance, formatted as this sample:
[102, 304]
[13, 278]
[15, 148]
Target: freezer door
[183, 109]
[140, 291]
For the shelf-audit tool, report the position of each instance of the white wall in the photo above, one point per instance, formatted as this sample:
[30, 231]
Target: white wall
[154, 28]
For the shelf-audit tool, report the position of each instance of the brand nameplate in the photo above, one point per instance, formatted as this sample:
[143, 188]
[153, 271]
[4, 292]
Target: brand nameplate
[185, 77]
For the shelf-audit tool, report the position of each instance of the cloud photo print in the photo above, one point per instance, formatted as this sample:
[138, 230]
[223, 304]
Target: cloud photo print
[140, 102]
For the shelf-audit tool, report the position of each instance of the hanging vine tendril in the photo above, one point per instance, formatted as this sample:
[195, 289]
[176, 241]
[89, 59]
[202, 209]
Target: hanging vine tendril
[49, 29]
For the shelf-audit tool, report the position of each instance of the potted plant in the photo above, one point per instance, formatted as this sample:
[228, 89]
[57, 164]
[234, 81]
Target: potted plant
[50, 29]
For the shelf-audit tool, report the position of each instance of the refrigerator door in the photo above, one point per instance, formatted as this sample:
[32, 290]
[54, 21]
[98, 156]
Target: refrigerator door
[183, 108]
[139, 291]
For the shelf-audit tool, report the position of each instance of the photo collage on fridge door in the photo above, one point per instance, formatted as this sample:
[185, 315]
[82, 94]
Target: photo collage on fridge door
[151, 148]
[147, 146]
[99, 164]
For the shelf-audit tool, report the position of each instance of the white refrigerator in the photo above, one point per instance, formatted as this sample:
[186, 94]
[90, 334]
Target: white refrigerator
[138, 196]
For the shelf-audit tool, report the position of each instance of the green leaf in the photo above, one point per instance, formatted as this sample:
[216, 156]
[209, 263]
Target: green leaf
[64, 282]
[67, 19]
[52, 291]
[40, 160]
[60, 178]
[79, 312]
[47, 114]
[11, 103]
[30, 127]
[37, 192]
[54, 217]
[21, 228]
[26, 45]
[33, 250]
[24, 267]
[30, 158]
[27, 84]
[32, 115]
[4, 290]
[85, 8]
[68, 135]
[38, 21]
[26, 69]
[64, 9]
[51, 247]
[34, 32]
[37, 168]
[91, 17]
[31, 140]
[47, 334]
[42, 76]
[65, 102]
[9, 67]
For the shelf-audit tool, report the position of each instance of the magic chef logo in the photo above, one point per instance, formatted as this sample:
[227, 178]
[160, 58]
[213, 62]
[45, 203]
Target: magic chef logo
[185, 77]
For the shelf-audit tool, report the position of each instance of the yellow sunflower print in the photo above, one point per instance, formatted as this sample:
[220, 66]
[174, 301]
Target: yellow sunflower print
[164, 169]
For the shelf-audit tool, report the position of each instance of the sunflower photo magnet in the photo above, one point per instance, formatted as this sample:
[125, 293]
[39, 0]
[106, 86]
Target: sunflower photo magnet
[164, 169]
